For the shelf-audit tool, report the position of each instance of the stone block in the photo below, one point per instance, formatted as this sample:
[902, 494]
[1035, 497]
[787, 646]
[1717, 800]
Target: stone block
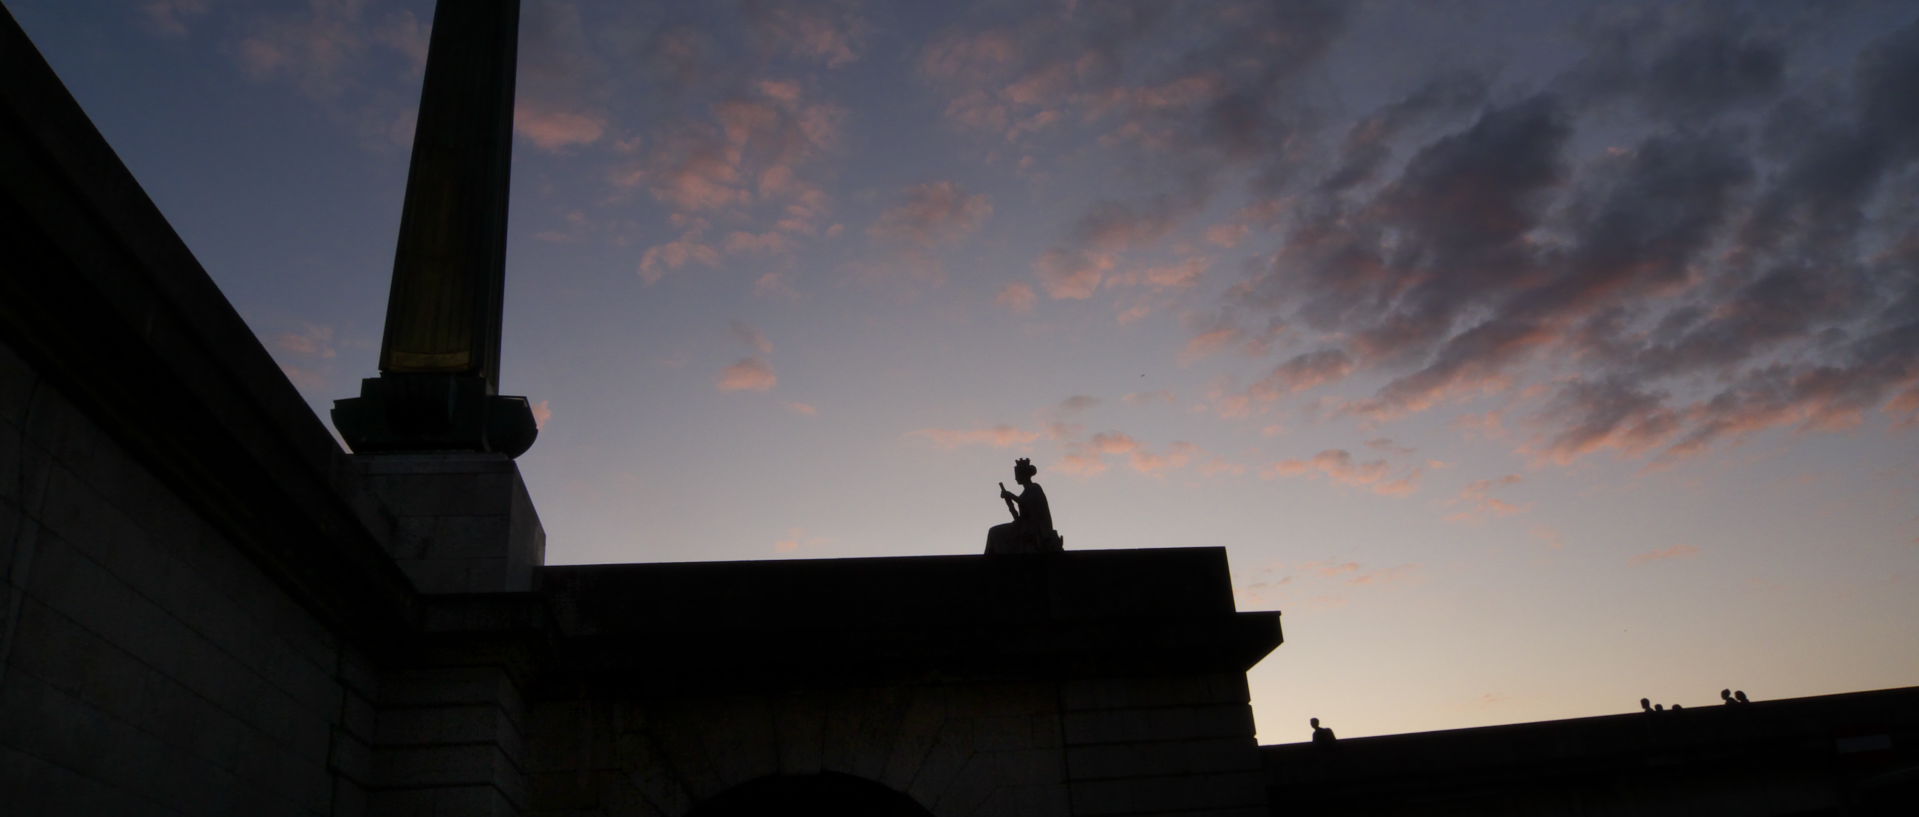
[267, 763]
[357, 715]
[1172, 794]
[861, 724]
[463, 723]
[739, 738]
[678, 735]
[549, 792]
[399, 767]
[36, 788]
[457, 575]
[466, 801]
[15, 530]
[350, 758]
[190, 722]
[1170, 723]
[1162, 757]
[19, 385]
[645, 770]
[943, 762]
[12, 454]
[1026, 801]
[799, 723]
[464, 522]
[358, 673]
[349, 798]
[1151, 691]
[448, 686]
[919, 727]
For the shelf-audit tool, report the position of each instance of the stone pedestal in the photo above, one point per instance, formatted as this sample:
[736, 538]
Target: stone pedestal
[465, 521]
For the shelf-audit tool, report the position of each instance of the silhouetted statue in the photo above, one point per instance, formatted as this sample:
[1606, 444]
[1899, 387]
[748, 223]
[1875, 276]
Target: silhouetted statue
[1645, 704]
[1031, 530]
[1322, 736]
[1740, 696]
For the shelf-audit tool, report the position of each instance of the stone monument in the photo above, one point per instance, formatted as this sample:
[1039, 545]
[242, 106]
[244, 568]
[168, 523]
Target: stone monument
[440, 357]
[432, 434]
[1031, 530]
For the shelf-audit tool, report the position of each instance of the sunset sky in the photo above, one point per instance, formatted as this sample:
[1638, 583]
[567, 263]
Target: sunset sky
[1531, 357]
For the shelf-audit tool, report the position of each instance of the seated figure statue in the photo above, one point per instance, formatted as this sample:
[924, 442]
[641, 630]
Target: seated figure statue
[1031, 530]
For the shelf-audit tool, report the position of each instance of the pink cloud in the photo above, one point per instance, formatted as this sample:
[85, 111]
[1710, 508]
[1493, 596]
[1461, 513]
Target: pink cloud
[1071, 274]
[774, 283]
[932, 214]
[542, 412]
[1177, 456]
[1337, 465]
[750, 374]
[1209, 342]
[806, 409]
[797, 538]
[1016, 296]
[169, 17]
[555, 129]
[1178, 275]
[656, 261]
[999, 436]
[1303, 372]
[1674, 552]
[313, 341]
[1479, 503]
[1113, 442]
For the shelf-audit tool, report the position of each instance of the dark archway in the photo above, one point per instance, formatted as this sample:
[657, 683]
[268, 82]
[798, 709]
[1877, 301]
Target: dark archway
[823, 793]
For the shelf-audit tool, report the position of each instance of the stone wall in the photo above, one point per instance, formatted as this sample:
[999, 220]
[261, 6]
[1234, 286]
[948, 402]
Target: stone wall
[1113, 746]
[954, 749]
[147, 666]
[1162, 744]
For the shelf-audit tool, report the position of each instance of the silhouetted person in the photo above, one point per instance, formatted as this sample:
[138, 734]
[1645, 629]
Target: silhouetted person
[1645, 705]
[1677, 707]
[1031, 530]
[1322, 736]
[1725, 697]
[1658, 707]
[1740, 696]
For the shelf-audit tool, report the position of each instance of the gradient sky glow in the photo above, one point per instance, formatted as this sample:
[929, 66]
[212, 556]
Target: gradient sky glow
[1531, 357]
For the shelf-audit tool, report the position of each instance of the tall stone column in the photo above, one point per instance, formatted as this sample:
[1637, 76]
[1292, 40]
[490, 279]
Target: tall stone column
[440, 356]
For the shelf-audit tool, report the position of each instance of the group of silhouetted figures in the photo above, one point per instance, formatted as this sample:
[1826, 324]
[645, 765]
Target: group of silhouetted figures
[1728, 697]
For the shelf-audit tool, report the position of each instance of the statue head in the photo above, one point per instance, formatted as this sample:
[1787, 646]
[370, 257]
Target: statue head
[1023, 471]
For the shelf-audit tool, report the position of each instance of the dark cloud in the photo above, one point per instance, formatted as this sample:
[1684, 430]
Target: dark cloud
[1678, 63]
[1719, 255]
